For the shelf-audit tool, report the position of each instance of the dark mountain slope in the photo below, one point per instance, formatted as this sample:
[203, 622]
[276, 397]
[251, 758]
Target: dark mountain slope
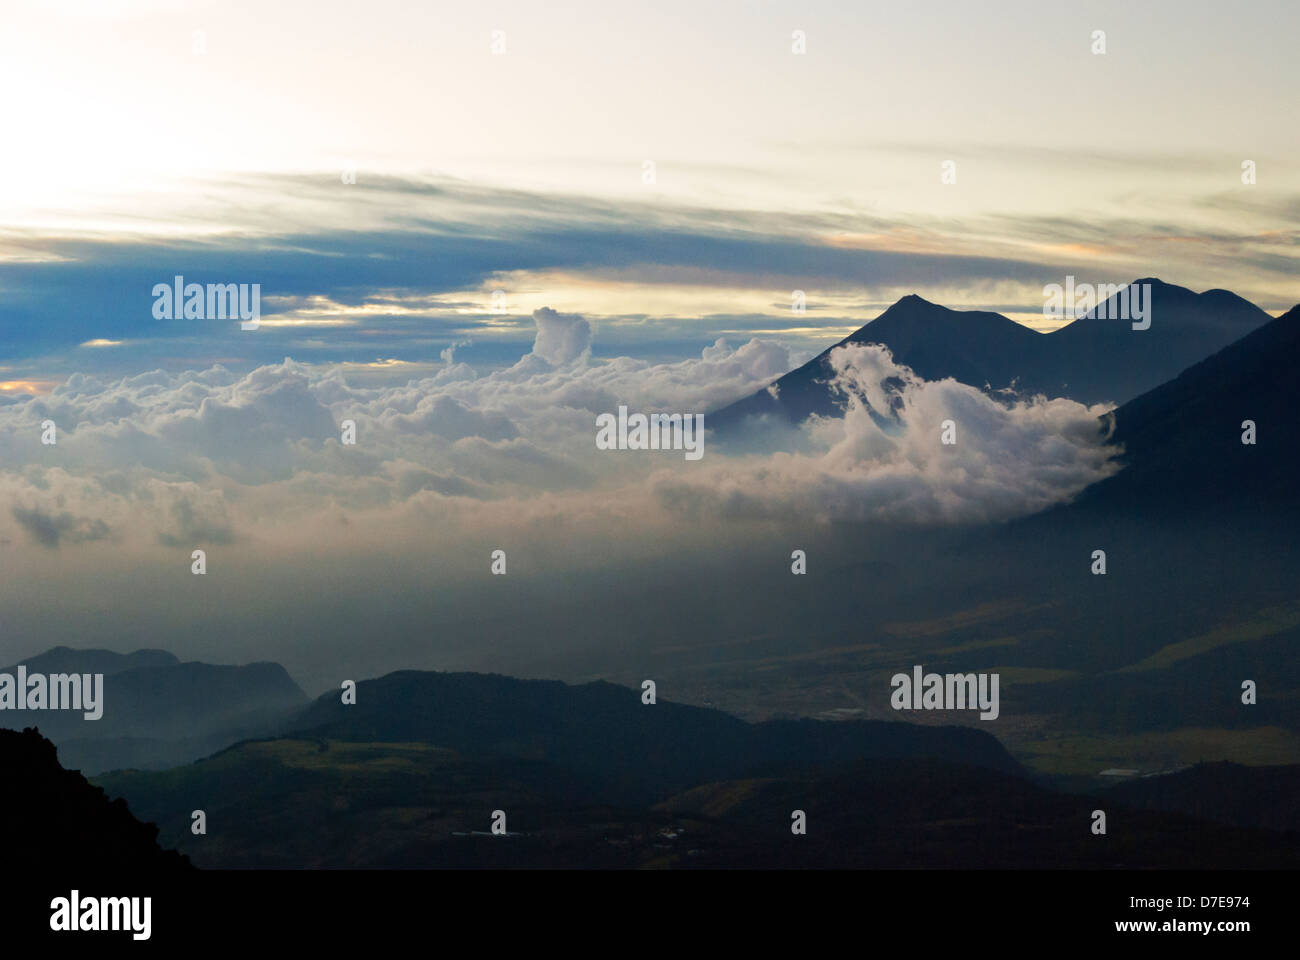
[1182, 440]
[915, 814]
[1230, 793]
[53, 819]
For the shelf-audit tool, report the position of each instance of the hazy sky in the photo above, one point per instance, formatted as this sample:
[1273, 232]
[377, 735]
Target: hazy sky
[208, 139]
[148, 139]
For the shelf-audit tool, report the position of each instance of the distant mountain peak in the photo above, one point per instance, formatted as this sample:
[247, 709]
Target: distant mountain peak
[916, 305]
[95, 660]
[1095, 358]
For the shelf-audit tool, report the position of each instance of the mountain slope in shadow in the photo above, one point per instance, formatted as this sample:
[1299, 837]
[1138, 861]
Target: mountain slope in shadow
[293, 803]
[1182, 441]
[914, 814]
[1230, 793]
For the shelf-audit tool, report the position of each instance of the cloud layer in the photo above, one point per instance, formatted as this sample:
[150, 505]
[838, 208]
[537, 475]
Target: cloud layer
[369, 557]
[207, 456]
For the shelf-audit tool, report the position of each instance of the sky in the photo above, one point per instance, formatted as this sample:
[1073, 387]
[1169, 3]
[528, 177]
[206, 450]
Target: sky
[475, 226]
[210, 140]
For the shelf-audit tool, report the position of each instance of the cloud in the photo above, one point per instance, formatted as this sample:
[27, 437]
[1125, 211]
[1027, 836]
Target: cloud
[405, 269]
[52, 529]
[390, 537]
[193, 517]
[885, 459]
[214, 458]
[211, 456]
[561, 338]
[757, 359]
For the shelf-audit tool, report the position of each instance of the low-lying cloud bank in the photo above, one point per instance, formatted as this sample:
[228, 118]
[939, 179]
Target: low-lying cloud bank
[205, 457]
[887, 460]
[346, 561]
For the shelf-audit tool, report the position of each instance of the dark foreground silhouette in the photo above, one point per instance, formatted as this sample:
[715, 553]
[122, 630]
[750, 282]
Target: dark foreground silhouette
[53, 819]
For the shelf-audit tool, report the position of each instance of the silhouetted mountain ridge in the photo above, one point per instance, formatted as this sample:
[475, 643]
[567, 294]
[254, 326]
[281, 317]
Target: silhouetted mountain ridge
[54, 820]
[627, 750]
[107, 662]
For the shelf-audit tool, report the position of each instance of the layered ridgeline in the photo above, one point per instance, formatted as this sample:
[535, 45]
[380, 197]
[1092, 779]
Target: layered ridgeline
[155, 711]
[415, 773]
[53, 818]
[1096, 358]
[619, 748]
